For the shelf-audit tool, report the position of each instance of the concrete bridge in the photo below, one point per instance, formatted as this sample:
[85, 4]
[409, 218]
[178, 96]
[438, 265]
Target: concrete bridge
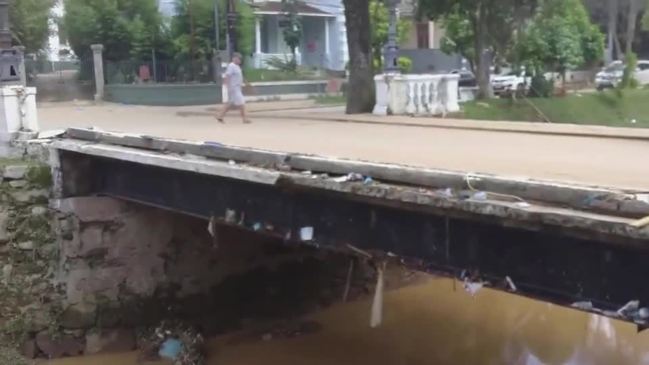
[560, 243]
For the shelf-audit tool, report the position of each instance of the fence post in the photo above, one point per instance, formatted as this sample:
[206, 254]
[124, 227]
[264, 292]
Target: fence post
[98, 59]
[21, 65]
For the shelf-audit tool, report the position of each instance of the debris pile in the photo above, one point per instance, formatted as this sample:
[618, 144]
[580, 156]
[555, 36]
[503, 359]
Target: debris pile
[175, 341]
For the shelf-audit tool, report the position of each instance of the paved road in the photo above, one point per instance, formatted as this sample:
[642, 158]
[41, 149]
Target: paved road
[602, 161]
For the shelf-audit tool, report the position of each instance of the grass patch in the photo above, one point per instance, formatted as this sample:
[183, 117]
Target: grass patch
[330, 99]
[602, 108]
[261, 75]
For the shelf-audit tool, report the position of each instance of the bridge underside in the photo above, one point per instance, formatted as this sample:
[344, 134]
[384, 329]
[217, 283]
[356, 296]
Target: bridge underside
[545, 263]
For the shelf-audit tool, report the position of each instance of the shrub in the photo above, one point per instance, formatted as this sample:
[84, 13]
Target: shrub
[285, 64]
[405, 64]
[541, 87]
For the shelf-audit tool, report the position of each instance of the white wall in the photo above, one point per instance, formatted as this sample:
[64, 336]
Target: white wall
[337, 32]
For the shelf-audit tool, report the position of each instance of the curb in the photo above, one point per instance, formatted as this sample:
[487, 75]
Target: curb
[493, 127]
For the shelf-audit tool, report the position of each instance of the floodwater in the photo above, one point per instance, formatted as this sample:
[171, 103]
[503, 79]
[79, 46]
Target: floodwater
[438, 323]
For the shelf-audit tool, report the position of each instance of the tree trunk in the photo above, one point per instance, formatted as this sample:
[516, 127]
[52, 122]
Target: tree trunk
[360, 89]
[481, 55]
[632, 19]
[613, 45]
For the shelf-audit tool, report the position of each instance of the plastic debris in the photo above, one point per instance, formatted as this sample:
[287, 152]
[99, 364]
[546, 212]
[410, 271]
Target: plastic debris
[352, 176]
[473, 287]
[256, 226]
[479, 195]
[307, 172]
[510, 283]
[231, 163]
[643, 313]
[171, 348]
[368, 180]
[230, 216]
[629, 308]
[586, 305]
[306, 233]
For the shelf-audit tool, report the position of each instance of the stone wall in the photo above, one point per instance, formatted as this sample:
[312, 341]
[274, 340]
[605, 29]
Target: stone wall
[80, 274]
[124, 265]
[29, 301]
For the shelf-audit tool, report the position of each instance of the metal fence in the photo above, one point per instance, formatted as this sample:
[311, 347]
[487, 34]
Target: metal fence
[164, 71]
[61, 80]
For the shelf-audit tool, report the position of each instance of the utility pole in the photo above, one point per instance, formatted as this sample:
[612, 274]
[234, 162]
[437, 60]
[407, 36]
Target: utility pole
[216, 61]
[232, 27]
[192, 37]
[391, 51]
[217, 30]
[5, 29]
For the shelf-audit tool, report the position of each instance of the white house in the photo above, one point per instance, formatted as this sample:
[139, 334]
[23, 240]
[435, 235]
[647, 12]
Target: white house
[167, 7]
[324, 36]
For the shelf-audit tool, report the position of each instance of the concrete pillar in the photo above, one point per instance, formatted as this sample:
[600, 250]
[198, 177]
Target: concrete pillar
[21, 66]
[98, 58]
[258, 59]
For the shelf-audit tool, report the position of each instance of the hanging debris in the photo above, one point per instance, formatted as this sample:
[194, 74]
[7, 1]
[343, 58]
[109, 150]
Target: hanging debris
[377, 304]
[348, 281]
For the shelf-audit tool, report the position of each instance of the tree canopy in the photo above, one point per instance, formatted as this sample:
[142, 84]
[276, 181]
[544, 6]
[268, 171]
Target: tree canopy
[202, 15]
[480, 30]
[561, 37]
[124, 27]
[30, 23]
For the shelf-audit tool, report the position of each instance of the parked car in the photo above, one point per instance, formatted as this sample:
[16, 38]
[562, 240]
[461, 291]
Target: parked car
[610, 76]
[518, 82]
[467, 78]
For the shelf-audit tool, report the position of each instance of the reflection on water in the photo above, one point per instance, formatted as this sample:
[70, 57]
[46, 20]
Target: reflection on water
[438, 323]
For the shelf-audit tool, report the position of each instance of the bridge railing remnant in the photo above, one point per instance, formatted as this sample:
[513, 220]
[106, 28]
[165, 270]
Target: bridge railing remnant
[429, 94]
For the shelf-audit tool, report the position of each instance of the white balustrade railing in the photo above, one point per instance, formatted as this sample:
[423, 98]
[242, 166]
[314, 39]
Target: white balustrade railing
[428, 95]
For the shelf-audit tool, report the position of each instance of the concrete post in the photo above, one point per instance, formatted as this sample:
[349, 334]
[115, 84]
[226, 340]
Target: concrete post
[98, 58]
[258, 58]
[21, 66]
[327, 43]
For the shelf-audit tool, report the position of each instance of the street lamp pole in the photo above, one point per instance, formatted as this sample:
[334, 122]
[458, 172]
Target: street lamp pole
[391, 51]
[232, 27]
[5, 28]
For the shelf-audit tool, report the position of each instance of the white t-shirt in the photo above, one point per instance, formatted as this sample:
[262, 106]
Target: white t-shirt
[234, 75]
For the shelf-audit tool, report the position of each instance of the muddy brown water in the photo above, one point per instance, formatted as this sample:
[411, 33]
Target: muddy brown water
[438, 323]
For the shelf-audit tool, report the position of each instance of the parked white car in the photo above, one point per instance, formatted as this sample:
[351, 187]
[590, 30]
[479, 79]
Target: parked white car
[518, 82]
[611, 75]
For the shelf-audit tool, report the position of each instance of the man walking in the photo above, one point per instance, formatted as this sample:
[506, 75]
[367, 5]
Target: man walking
[233, 80]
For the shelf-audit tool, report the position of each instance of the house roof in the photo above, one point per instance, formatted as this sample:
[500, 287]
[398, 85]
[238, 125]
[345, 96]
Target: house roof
[275, 7]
